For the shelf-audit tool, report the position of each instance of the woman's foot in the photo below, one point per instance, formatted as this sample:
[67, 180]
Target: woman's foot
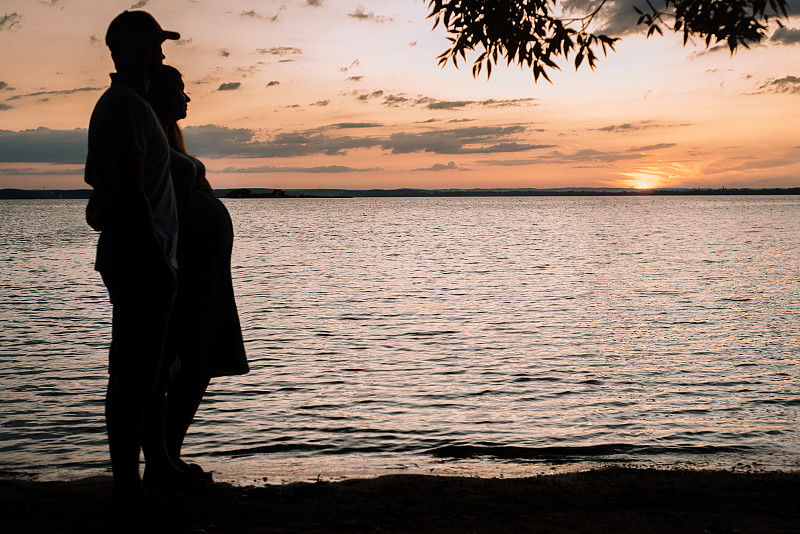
[171, 481]
[197, 471]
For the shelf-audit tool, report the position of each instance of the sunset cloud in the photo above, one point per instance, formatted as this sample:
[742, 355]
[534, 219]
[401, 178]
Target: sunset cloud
[508, 103]
[434, 104]
[213, 141]
[352, 65]
[431, 103]
[750, 164]
[43, 145]
[361, 14]
[326, 169]
[61, 92]
[252, 14]
[10, 21]
[471, 140]
[787, 84]
[367, 96]
[395, 100]
[591, 155]
[584, 158]
[509, 162]
[346, 125]
[30, 171]
[210, 139]
[627, 127]
[219, 141]
[449, 166]
[280, 51]
[617, 17]
[441, 104]
[229, 86]
[648, 148]
[787, 36]
[403, 99]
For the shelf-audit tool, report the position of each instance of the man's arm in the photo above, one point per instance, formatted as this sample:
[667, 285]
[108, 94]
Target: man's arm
[135, 220]
[94, 212]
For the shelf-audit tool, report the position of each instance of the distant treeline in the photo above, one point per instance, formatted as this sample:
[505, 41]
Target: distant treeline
[275, 193]
[349, 193]
[44, 193]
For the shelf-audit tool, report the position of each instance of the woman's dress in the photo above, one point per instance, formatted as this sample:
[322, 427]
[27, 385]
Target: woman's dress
[206, 334]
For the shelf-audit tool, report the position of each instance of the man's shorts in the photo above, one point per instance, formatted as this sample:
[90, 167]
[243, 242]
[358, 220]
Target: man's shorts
[140, 321]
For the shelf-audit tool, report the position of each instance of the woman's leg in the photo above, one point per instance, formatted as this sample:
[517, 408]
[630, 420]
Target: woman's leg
[183, 397]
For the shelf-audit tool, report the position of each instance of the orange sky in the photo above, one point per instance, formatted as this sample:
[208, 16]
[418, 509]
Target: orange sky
[337, 94]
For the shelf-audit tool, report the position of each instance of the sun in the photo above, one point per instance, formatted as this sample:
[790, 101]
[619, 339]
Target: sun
[644, 179]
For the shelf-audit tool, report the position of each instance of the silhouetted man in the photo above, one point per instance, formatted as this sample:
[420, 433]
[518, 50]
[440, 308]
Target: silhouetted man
[133, 205]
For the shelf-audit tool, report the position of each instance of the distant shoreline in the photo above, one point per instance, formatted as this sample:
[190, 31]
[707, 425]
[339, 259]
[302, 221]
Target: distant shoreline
[28, 194]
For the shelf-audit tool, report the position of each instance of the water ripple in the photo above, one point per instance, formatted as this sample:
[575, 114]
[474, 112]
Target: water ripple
[544, 330]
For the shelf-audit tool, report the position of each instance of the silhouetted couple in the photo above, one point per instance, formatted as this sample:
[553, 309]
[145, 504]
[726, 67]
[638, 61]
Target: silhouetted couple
[164, 255]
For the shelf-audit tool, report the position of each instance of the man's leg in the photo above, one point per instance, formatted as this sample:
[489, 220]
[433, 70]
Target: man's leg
[141, 315]
[124, 423]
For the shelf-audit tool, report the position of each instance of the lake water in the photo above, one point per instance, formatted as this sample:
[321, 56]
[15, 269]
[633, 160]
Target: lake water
[474, 336]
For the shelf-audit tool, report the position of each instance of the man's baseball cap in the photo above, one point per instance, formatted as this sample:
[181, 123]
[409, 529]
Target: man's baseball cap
[135, 26]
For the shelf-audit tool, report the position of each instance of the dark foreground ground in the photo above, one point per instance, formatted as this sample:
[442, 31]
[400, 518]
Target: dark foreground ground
[603, 501]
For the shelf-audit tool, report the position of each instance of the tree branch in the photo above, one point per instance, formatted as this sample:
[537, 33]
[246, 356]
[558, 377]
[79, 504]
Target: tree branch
[528, 33]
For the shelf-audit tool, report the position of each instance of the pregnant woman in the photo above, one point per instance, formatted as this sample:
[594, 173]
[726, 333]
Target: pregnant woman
[205, 335]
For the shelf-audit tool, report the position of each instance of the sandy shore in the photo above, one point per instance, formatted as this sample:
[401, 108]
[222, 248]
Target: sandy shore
[602, 501]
